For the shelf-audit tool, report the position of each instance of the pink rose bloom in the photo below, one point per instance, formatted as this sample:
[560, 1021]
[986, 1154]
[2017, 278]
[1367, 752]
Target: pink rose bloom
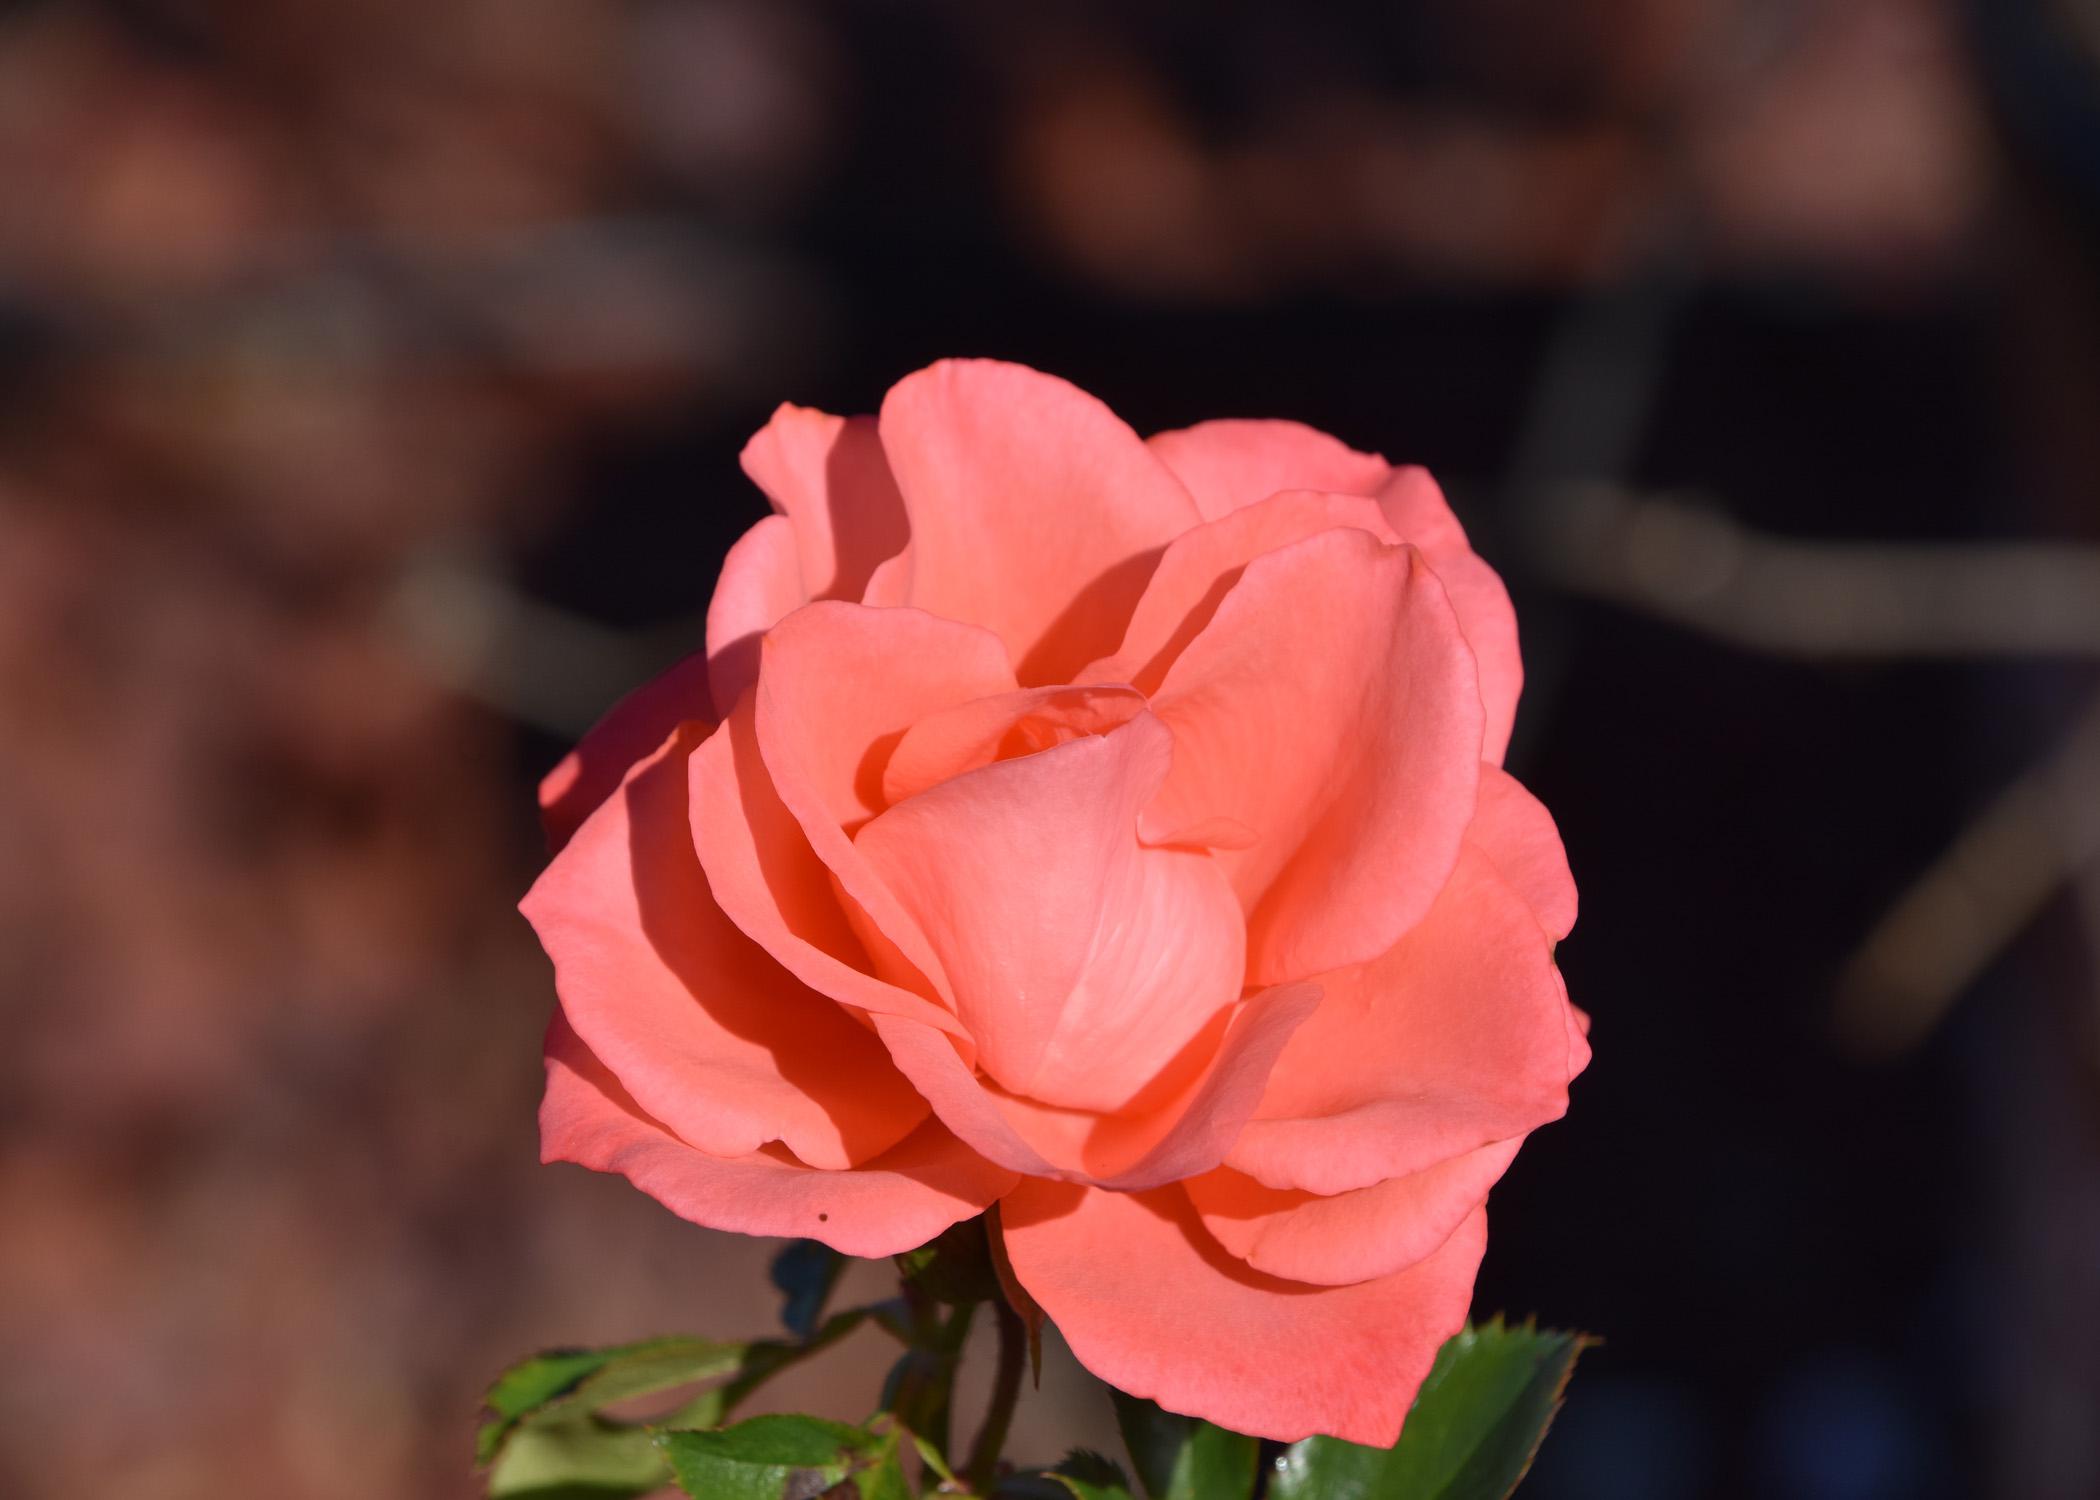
[1112, 830]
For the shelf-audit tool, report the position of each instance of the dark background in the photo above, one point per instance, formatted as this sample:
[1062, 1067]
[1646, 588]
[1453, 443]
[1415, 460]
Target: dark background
[371, 379]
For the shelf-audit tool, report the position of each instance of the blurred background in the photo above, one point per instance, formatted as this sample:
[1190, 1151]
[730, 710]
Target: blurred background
[371, 380]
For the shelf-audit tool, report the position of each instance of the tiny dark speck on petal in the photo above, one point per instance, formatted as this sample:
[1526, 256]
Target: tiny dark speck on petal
[823, 1218]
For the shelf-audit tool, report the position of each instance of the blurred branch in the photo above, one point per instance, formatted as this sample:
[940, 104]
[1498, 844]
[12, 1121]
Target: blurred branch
[2038, 833]
[1698, 568]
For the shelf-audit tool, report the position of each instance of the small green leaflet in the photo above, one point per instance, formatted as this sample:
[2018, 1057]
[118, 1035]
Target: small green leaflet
[789, 1458]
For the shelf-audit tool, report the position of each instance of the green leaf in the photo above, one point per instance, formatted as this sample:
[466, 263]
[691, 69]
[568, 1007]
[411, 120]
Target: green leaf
[580, 1458]
[569, 1382]
[785, 1458]
[548, 1439]
[1181, 1458]
[805, 1272]
[1474, 1429]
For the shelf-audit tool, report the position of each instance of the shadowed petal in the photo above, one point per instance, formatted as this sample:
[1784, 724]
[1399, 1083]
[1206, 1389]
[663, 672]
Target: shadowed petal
[1513, 829]
[1035, 511]
[1203, 1105]
[761, 583]
[1078, 959]
[636, 725]
[894, 1203]
[1330, 706]
[1459, 1036]
[770, 882]
[713, 1036]
[1149, 1302]
[1229, 464]
[829, 477]
[1348, 1237]
[1417, 510]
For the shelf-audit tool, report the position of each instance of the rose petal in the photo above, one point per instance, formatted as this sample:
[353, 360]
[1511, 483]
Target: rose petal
[1330, 705]
[942, 746]
[1035, 511]
[839, 686]
[637, 724]
[1187, 1131]
[1201, 565]
[829, 476]
[1417, 510]
[1229, 464]
[1191, 1132]
[1513, 829]
[1457, 1037]
[772, 885]
[1348, 1237]
[1154, 1306]
[1080, 961]
[709, 1033]
[761, 582]
[893, 1203]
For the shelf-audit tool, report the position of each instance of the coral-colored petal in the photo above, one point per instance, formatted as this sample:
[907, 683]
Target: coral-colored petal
[1348, 1237]
[1191, 1132]
[1457, 1037]
[1228, 464]
[1330, 705]
[1079, 960]
[1035, 511]
[761, 583]
[896, 1202]
[711, 1035]
[1153, 1305]
[828, 475]
[1188, 1132]
[839, 686]
[1201, 565]
[771, 883]
[1513, 828]
[944, 745]
[636, 725]
[1416, 508]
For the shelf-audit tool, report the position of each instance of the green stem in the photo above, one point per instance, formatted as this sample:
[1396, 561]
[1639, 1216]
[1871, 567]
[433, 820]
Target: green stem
[1006, 1391]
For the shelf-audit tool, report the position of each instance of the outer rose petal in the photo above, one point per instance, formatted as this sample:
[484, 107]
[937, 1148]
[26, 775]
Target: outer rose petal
[1154, 1306]
[1419, 513]
[1330, 706]
[1186, 1135]
[637, 725]
[894, 1203]
[710, 1034]
[1035, 511]
[1081, 962]
[829, 476]
[1513, 829]
[771, 883]
[1226, 465]
[761, 583]
[1348, 1237]
[1457, 1037]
